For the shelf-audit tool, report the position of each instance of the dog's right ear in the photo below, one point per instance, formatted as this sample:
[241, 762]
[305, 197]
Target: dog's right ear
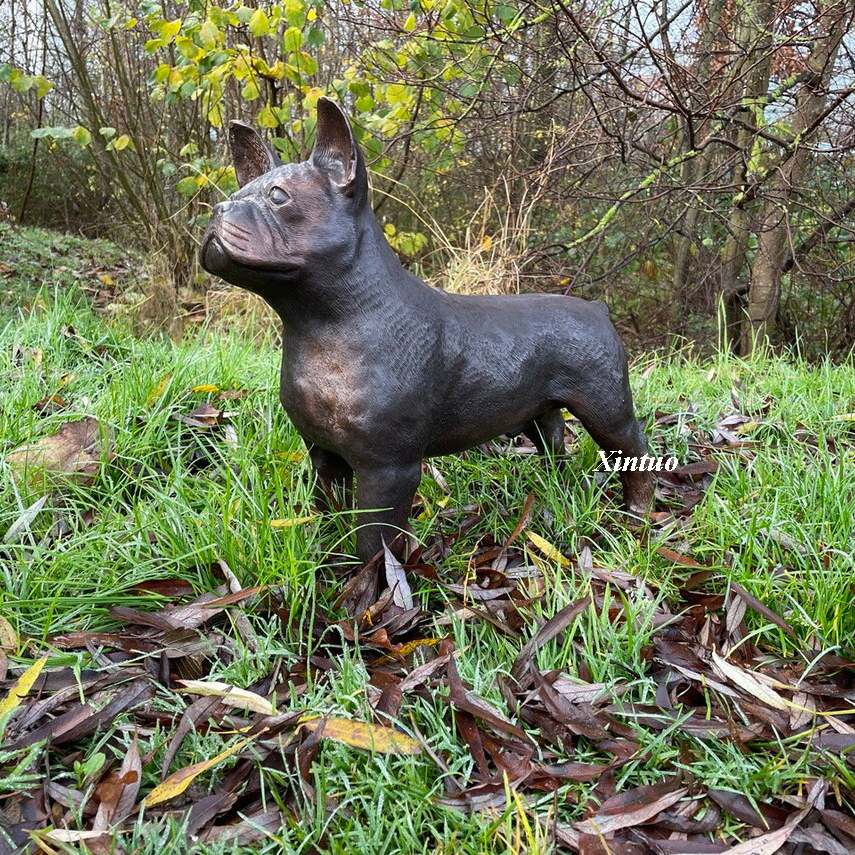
[252, 156]
[336, 151]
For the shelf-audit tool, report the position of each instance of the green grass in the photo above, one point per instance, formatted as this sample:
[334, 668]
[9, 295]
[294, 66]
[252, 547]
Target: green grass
[156, 516]
[33, 258]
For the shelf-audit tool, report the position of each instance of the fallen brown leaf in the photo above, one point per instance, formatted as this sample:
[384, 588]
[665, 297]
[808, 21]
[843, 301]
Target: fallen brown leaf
[77, 448]
[632, 807]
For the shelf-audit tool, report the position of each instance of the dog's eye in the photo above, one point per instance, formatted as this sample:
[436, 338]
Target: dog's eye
[278, 196]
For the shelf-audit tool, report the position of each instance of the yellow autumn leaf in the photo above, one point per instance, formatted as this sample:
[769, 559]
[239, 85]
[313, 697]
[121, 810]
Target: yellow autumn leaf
[240, 698]
[360, 734]
[486, 243]
[550, 551]
[66, 835]
[748, 427]
[170, 29]
[8, 636]
[22, 686]
[208, 34]
[427, 513]
[178, 781]
[205, 387]
[158, 389]
[409, 647]
[107, 279]
[259, 23]
[290, 522]
[749, 683]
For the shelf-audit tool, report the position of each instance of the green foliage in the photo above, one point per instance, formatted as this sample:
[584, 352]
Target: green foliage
[598, 189]
[22, 82]
[271, 55]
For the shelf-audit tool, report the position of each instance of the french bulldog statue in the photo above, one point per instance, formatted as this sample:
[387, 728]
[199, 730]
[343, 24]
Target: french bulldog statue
[380, 370]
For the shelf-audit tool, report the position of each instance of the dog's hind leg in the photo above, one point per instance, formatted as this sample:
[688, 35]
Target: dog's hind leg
[547, 432]
[607, 414]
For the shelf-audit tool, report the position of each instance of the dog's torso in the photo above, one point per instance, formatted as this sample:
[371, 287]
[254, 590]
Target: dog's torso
[435, 373]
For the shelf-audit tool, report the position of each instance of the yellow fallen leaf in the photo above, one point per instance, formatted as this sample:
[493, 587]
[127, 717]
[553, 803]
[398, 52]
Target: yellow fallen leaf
[22, 686]
[205, 387]
[292, 521]
[748, 427]
[106, 279]
[178, 781]
[427, 513]
[486, 243]
[749, 683]
[410, 646]
[67, 835]
[157, 390]
[550, 551]
[8, 636]
[360, 734]
[240, 698]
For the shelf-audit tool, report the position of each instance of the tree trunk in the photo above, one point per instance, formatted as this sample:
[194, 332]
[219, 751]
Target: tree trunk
[754, 39]
[695, 169]
[773, 227]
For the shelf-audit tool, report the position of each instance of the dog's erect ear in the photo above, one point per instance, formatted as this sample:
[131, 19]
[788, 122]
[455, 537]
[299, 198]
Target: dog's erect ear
[251, 154]
[336, 151]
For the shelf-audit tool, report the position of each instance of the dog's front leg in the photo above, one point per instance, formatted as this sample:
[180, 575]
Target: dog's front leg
[384, 496]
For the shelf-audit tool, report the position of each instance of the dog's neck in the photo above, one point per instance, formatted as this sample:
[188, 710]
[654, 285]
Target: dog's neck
[371, 280]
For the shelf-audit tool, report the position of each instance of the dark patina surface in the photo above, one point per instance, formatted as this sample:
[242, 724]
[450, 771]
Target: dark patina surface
[380, 370]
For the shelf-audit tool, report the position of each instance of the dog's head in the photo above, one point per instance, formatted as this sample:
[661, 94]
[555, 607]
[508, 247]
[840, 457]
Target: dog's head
[288, 222]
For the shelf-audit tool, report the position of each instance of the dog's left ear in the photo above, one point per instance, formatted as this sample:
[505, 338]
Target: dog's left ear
[252, 156]
[336, 151]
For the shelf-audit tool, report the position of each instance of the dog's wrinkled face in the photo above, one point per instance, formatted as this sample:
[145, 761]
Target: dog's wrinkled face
[288, 222]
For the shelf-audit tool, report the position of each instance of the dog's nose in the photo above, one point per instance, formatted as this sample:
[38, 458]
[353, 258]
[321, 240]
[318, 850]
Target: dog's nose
[221, 207]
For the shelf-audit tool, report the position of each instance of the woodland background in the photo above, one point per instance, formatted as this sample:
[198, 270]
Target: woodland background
[689, 161]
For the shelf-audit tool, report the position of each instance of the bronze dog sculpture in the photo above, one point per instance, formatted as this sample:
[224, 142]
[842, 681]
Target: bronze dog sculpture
[380, 370]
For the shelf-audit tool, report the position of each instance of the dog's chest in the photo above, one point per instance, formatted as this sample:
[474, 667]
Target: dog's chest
[319, 390]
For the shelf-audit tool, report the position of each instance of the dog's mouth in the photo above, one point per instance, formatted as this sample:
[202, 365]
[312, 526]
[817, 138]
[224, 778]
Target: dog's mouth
[218, 258]
[213, 255]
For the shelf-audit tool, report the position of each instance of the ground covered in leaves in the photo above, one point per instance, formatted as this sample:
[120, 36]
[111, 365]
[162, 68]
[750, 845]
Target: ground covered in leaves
[177, 667]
